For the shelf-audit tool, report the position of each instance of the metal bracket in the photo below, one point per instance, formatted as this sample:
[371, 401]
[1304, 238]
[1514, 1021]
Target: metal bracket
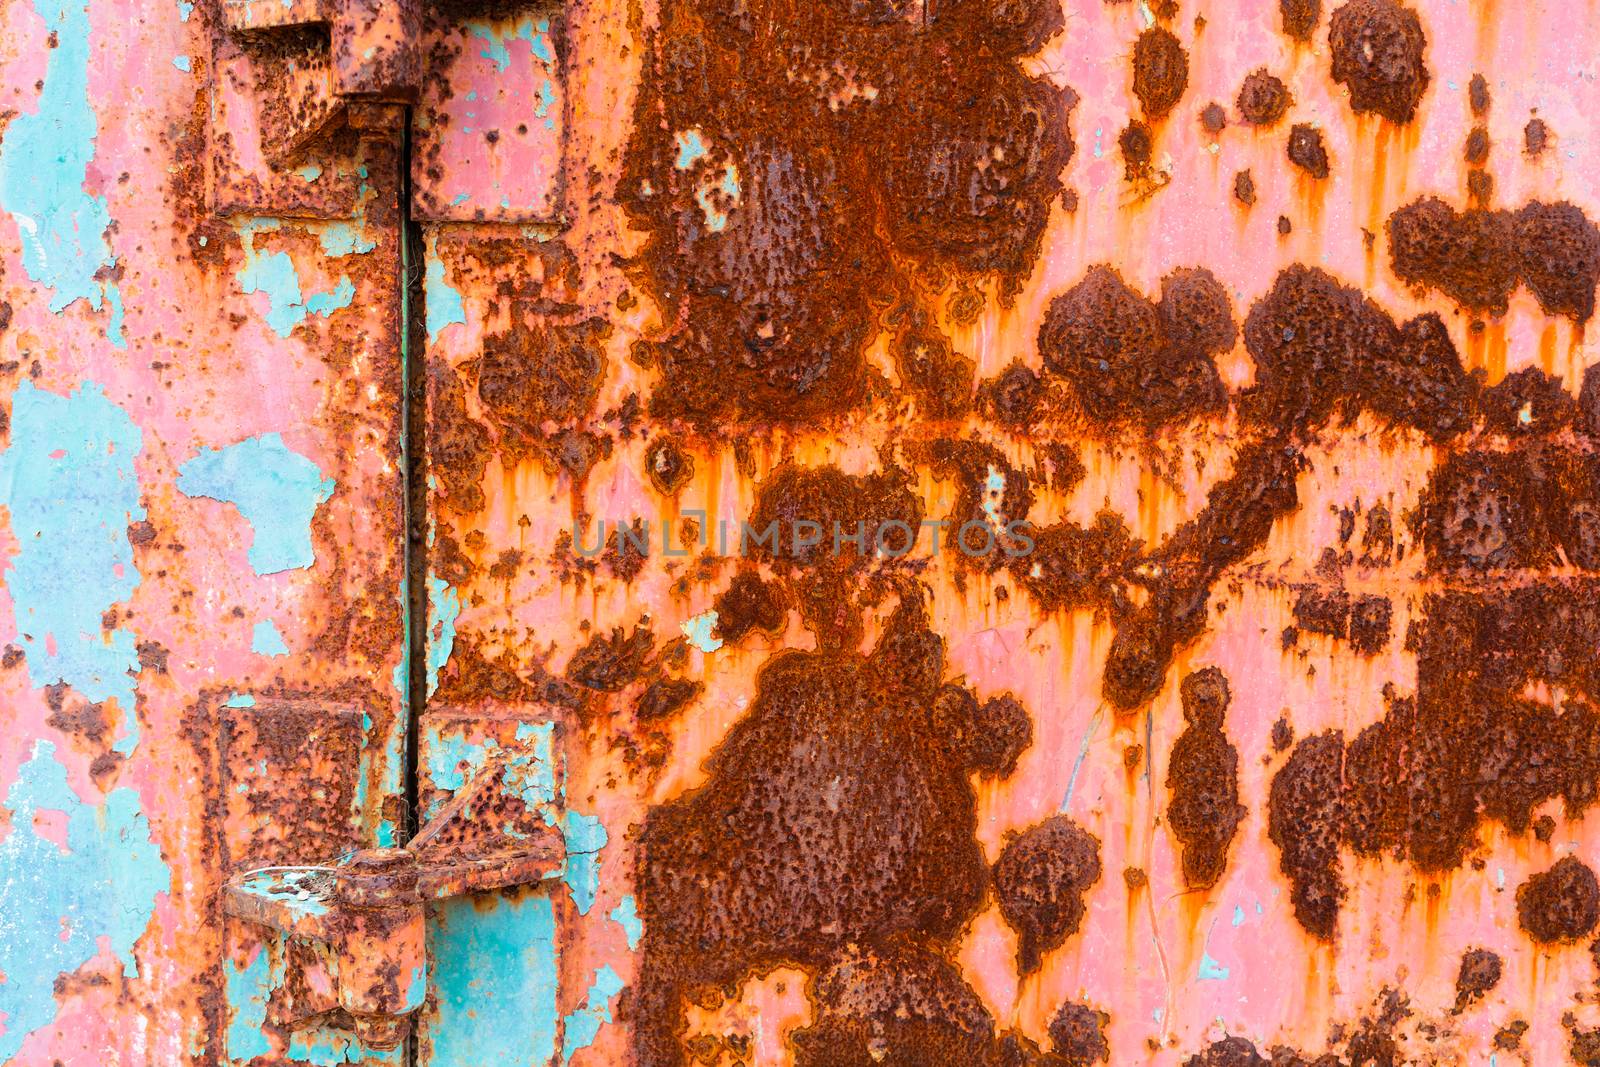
[360, 925]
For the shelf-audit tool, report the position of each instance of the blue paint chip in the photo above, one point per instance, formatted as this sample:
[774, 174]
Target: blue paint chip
[276, 489]
[626, 915]
[58, 904]
[585, 837]
[442, 300]
[495, 982]
[583, 1025]
[44, 163]
[265, 640]
[182, 63]
[69, 483]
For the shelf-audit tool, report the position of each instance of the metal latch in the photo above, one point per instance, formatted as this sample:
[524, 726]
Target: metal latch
[359, 925]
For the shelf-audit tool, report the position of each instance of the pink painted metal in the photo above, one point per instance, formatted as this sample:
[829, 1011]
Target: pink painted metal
[213, 287]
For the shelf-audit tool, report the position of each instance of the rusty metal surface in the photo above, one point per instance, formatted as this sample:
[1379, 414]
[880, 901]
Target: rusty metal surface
[1271, 324]
[1244, 710]
[203, 546]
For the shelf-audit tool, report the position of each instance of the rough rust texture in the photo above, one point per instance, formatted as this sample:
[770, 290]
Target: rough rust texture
[1300, 17]
[1377, 48]
[1478, 257]
[1307, 151]
[1040, 880]
[1203, 775]
[773, 291]
[835, 831]
[1479, 973]
[1077, 1035]
[1561, 904]
[1132, 361]
[1160, 71]
[1263, 98]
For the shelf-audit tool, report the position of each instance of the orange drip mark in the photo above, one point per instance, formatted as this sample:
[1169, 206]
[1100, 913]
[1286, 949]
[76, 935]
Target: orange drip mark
[1485, 19]
[1495, 351]
[1547, 349]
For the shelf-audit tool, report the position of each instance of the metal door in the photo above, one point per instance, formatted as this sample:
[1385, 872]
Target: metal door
[734, 532]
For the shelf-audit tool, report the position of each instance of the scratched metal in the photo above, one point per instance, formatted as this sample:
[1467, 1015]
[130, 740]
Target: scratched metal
[687, 260]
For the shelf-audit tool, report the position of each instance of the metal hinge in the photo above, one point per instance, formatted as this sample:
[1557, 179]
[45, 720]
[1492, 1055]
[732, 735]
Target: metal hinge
[358, 927]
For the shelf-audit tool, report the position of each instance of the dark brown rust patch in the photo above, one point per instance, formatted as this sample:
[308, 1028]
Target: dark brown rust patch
[1244, 188]
[665, 697]
[1203, 775]
[901, 1004]
[1304, 814]
[1535, 137]
[531, 374]
[1478, 97]
[1074, 567]
[1377, 48]
[1078, 1035]
[1322, 350]
[1263, 98]
[1476, 151]
[1479, 973]
[1307, 150]
[1213, 118]
[1561, 904]
[749, 604]
[935, 374]
[1136, 142]
[835, 832]
[1160, 71]
[609, 662]
[1370, 620]
[1528, 403]
[796, 171]
[1300, 18]
[1472, 744]
[1134, 362]
[1040, 881]
[1229, 1052]
[1478, 257]
[1013, 397]
[668, 466]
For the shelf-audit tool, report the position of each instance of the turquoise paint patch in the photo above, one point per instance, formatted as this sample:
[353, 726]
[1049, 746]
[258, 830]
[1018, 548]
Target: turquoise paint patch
[44, 162]
[343, 238]
[585, 837]
[626, 915]
[326, 304]
[583, 1025]
[276, 489]
[185, 9]
[1210, 970]
[452, 761]
[241, 700]
[442, 300]
[444, 608]
[497, 36]
[690, 148]
[265, 640]
[274, 274]
[494, 976]
[1238, 916]
[56, 906]
[182, 63]
[699, 631]
[247, 989]
[326, 1047]
[310, 172]
[114, 320]
[69, 481]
